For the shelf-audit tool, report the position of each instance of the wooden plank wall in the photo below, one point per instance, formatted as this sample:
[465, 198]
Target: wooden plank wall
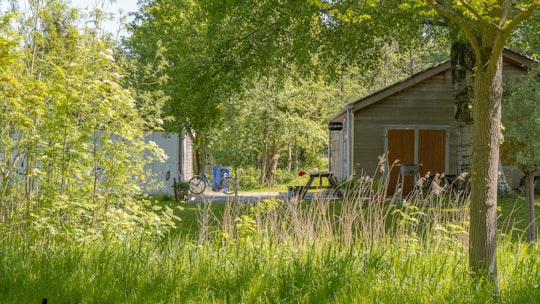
[429, 103]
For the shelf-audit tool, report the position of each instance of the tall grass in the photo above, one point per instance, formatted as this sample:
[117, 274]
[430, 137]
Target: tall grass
[364, 249]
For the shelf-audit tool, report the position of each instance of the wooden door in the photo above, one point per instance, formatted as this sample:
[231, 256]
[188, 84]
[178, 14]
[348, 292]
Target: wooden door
[432, 151]
[401, 145]
[415, 146]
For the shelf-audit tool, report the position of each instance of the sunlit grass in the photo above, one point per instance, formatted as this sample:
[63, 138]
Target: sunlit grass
[359, 250]
[257, 271]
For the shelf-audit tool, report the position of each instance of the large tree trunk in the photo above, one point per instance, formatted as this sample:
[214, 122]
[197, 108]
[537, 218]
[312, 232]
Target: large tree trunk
[462, 59]
[529, 195]
[487, 137]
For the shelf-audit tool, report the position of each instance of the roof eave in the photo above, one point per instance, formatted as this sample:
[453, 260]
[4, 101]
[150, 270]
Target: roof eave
[509, 55]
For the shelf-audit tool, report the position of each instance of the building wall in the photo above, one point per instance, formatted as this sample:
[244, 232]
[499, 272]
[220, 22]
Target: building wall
[427, 104]
[338, 149]
[179, 164]
[186, 158]
[164, 171]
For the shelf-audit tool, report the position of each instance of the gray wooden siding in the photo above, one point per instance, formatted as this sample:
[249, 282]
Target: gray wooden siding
[429, 103]
[338, 148]
[424, 100]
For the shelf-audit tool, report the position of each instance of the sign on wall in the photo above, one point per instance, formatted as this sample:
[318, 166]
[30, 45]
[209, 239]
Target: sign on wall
[335, 126]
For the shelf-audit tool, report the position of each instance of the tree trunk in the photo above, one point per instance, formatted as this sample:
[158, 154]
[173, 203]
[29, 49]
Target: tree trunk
[264, 161]
[271, 165]
[462, 59]
[487, 137]
[529, 195]
[296, 160]
[199, 152]
[271, 173]
[289, 158]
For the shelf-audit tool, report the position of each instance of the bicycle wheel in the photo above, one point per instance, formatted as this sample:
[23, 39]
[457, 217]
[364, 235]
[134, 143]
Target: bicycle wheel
[230, 183]
[197, 185]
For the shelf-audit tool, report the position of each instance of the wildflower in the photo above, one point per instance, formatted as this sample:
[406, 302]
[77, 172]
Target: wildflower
[107, 56]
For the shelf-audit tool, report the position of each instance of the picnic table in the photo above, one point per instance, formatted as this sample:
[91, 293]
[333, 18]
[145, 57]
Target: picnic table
[300, 191]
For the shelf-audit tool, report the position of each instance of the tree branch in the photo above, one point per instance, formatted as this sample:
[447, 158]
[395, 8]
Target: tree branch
[522, 16]
[454, 16]
[506, 31]
[436, 21]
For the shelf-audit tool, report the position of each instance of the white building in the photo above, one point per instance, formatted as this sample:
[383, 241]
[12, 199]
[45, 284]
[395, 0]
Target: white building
[179, 164]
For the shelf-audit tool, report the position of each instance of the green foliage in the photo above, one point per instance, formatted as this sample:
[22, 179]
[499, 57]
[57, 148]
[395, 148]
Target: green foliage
[521, 114]
[288, 115]
[244, 79]
[215, 56]
[181, 185]
[524, 38]
[72, 149]
[183, 65]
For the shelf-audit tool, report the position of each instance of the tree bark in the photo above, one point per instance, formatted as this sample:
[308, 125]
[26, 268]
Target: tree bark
[487, 137]
[264, 161]
[289, 158]
[529, 195]
[199, 152]
[272, 164]
[462, 59]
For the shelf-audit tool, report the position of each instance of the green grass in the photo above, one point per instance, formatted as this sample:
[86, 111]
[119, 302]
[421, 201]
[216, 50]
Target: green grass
[282, 187]
[274, 252]
[513, 214]
[257, 271]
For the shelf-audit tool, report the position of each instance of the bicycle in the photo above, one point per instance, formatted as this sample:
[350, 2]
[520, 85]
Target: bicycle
[228, 183]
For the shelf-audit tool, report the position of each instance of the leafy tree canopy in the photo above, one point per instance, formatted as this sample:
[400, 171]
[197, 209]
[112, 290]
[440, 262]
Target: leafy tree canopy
[212, 47]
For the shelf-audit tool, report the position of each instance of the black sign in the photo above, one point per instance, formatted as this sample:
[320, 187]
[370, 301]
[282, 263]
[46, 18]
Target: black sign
[335, 126]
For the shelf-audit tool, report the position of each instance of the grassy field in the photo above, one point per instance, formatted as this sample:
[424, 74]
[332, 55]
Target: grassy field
[323, 251]
[512, 214]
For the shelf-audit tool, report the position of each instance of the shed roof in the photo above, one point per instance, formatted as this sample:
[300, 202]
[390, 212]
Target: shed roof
[508, 55]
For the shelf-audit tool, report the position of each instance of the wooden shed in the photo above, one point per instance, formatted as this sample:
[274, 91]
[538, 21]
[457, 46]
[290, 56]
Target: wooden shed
[412, 120]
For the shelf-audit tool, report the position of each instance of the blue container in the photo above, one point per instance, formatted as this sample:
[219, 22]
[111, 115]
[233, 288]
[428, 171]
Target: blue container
[218, 175]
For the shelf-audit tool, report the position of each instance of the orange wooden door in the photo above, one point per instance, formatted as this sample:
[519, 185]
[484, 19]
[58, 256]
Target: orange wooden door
[432, 151]
[429, 150]
[401, 145]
